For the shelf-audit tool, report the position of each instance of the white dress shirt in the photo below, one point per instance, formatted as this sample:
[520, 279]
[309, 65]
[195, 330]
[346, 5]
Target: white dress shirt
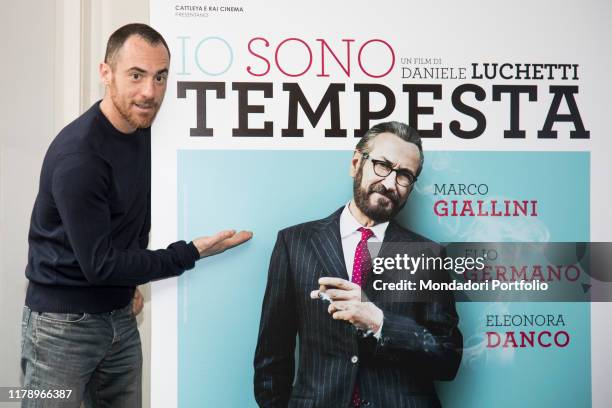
[350, 236]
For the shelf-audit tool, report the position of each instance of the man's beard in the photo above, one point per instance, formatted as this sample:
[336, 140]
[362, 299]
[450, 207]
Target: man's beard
[382, 211]
[131, 118]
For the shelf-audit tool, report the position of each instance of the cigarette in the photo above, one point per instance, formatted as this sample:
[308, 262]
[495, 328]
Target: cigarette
[324, 296]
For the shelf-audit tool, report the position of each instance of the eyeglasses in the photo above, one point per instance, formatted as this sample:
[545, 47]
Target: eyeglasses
[382, 168]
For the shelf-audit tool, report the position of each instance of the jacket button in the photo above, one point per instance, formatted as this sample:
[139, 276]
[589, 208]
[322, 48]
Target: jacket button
[354, 359]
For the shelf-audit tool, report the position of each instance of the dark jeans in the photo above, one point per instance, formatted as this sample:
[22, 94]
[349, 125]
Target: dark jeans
[97, 356]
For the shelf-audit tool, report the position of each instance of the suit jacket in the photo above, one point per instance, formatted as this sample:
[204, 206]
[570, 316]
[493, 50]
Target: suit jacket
[419, 342]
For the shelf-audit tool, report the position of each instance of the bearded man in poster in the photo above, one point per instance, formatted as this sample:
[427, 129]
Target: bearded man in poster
[353, 352]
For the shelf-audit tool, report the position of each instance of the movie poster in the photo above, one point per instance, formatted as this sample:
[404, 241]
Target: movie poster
[265, 103]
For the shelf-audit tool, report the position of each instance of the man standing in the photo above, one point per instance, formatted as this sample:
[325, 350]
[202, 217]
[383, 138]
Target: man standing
[354, 352]
[89, 233]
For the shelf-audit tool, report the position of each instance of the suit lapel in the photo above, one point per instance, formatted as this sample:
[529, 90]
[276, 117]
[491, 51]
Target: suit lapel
[327, 244]
[394, 233]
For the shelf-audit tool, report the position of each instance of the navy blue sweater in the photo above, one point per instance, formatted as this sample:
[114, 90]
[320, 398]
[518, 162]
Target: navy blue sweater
[91, 219]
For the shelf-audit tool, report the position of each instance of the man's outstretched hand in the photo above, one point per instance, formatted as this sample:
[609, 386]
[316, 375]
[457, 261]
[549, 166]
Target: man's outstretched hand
[221, 241]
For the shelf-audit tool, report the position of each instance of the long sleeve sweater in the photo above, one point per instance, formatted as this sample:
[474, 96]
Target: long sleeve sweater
[91, 220]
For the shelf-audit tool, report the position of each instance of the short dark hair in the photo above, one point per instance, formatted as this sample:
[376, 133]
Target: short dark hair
[120, 36]
[399, 129]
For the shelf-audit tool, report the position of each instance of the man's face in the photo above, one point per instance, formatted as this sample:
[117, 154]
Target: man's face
[137, 80]
[381, 198]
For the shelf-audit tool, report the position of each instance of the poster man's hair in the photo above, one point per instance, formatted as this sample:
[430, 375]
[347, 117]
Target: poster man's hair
[401, 130]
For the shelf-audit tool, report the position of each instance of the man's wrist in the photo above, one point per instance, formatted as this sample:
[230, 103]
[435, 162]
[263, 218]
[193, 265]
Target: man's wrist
[194, 250]
[376, 328]
[377, 333]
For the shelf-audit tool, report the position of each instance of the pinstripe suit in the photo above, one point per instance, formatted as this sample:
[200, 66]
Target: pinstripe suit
[419, 343]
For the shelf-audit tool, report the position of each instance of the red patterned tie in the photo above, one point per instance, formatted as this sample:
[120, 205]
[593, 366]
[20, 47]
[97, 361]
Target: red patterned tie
[362, 265]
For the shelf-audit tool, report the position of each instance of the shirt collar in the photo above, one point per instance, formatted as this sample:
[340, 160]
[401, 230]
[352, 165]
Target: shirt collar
[349, 224]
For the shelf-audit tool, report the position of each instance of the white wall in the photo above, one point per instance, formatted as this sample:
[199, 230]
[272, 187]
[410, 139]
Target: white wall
[50, 53]
[27, 33]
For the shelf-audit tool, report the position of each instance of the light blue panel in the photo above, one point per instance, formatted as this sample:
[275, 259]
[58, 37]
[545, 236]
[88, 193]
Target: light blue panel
[219, 302]
[501, 378]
